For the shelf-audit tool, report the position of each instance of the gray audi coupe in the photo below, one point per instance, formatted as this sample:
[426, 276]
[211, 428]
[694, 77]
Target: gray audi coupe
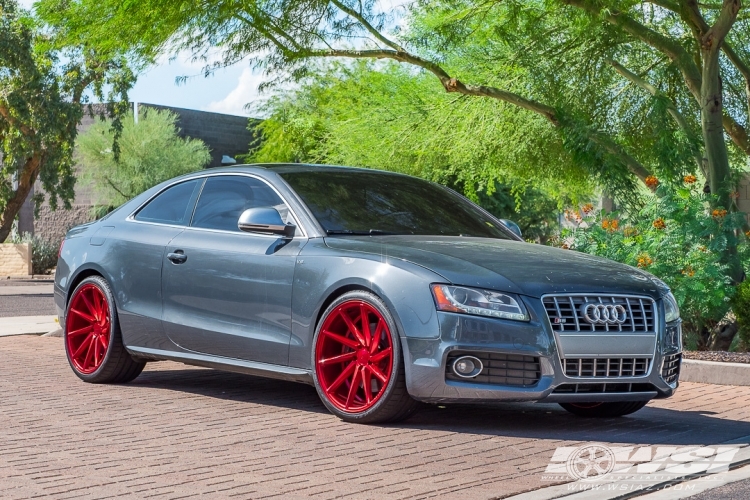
[380, 289]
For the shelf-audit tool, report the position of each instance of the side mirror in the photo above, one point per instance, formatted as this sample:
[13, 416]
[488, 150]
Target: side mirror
[265, 220]
[512, 226]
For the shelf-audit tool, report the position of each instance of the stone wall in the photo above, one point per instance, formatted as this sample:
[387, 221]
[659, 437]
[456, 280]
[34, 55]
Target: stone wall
[52, 225]
[15, 259]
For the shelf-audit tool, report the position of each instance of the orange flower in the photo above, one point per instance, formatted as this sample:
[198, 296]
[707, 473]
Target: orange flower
[565, 246]
[719, 213]
[690, 179]
[588, 208]
[689, 271]
[652, 182]
[747, 233]
[644, 260]
[660, 224]
[605, 223]
[614, 224]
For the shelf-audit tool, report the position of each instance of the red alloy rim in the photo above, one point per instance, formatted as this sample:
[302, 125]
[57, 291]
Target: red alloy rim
[354, 356]
[88, 328]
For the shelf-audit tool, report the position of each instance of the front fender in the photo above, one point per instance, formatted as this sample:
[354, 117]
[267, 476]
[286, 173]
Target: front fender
[322, 274]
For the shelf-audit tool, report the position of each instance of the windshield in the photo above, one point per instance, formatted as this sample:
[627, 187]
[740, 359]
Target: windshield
[362, 202]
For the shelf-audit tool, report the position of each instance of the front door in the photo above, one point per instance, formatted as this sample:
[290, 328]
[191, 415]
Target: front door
[228, 293]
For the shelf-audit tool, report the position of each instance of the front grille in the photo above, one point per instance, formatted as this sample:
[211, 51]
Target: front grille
[606, 367]
[499, 369]
[602, 388]
[566, 315]
[670, 370]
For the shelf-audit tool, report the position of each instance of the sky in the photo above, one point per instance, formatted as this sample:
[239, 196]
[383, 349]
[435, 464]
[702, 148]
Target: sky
[227, 91]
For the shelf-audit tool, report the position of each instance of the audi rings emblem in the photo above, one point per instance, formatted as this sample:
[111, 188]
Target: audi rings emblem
[604, 314]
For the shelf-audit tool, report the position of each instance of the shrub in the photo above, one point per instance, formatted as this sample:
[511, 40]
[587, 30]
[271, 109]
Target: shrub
[741, 308]
[43, 252]
[678, 238]
[151, 151]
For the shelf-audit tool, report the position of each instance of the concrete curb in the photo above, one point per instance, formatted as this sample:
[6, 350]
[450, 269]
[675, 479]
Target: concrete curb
[714, 372]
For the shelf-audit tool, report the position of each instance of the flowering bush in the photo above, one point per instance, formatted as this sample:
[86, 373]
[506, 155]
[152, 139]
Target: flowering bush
[676, 237]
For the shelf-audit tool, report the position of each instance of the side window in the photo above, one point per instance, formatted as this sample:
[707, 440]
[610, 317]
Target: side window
[172, 206]
[224, 198]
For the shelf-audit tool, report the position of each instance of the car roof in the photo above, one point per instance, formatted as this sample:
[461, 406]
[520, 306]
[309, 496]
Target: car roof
[285, 168]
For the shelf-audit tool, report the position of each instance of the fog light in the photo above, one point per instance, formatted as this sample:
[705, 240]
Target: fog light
[467, 366]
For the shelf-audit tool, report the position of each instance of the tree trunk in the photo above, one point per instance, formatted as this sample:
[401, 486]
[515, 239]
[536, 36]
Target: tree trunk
[712, 113]
[26, 181]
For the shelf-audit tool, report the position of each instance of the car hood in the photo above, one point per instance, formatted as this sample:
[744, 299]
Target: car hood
[505, 265]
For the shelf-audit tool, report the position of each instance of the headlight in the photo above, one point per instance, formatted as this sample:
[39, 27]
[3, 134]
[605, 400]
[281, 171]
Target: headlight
[479, 302]
[671, 309]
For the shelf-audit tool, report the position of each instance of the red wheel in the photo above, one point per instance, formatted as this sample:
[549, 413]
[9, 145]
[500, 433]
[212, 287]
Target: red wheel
[93, 341]
[358, 369]
[88, 328]
[354, 356]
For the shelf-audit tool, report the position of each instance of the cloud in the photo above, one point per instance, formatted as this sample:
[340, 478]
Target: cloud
[246, 91]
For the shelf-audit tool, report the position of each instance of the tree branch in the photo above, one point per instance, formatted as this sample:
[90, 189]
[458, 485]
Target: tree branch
[369, 27]
[451, 84]
[671, 109]
[5, 113]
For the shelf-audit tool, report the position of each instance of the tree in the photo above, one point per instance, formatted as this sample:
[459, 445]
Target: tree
[42, 89]
[556, 59]
[391, 119]
[151, 152]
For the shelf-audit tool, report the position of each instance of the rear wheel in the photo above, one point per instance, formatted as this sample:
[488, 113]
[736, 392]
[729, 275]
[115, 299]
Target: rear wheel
[604, 410]
[93, 342]
[358, 368]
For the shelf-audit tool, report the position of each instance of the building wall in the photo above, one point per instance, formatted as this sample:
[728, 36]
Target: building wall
[743, 202]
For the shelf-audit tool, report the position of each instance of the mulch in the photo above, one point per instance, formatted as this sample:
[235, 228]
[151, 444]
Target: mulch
[726, 357]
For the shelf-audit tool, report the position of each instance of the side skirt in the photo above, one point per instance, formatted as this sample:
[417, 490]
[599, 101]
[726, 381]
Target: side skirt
[226, 364]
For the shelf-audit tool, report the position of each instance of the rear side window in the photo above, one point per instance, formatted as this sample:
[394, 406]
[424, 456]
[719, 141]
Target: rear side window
[173, 205]
[224, 198]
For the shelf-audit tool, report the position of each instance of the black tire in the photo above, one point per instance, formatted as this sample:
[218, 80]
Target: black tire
[604, 410]
[394, 404]
[117, 367]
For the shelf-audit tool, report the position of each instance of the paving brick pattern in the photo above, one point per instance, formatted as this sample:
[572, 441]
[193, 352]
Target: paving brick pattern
[183, 432]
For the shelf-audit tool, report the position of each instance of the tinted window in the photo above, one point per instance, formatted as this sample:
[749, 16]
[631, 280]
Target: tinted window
[172, 206]
[224, 198]
[372, 203]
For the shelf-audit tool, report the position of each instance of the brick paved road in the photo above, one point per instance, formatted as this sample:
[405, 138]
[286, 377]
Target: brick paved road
[179, 432]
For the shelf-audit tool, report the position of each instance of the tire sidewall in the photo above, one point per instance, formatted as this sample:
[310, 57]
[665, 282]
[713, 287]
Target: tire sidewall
[397, 364]
[103, 286]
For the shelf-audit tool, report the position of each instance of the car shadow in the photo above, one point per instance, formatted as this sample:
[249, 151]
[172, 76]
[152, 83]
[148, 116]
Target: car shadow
[651, 425]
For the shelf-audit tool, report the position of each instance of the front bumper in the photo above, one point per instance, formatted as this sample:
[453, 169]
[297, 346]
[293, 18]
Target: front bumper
[427, 362]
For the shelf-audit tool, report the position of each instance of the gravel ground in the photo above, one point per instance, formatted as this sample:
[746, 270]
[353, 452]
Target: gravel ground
[726, 357]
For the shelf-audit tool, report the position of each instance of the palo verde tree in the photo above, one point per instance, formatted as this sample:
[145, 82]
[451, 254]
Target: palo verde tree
[42, 93]
[599, 72]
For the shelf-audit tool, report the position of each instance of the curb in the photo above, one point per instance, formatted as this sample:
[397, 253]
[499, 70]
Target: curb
[714, 372]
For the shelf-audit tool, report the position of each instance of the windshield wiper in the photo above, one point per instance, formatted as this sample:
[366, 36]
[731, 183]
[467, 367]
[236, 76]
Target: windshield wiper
[356, 233]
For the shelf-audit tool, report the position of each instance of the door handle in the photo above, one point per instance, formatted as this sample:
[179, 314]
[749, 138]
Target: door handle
[177, 257]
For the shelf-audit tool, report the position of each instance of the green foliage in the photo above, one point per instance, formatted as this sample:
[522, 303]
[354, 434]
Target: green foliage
[391, 119]
[151, 152]
[42, 91]
[43, 252]
[741, 308]
[676, 237]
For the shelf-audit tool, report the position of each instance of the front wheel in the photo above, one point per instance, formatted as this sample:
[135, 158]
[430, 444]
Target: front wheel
[93, 342]
[604, 410]
[358, 368]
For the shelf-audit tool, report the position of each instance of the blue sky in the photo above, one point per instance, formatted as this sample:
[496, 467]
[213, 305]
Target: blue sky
[228, 91]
